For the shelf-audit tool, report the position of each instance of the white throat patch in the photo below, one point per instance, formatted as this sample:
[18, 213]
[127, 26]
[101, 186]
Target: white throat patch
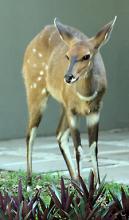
[87, 98]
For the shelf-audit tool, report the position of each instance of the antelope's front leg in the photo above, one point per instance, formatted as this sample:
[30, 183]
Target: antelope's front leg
[93, 128]
[72, 120]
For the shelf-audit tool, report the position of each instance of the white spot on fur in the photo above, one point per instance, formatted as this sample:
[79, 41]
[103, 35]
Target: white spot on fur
[39, 78]
[34, 65]
[34, 85]
[28, 61]
[46, 67]
[40, 55]
[51, 36]
[92, 119]
[34, 50]
[41, 72]
[43, 91]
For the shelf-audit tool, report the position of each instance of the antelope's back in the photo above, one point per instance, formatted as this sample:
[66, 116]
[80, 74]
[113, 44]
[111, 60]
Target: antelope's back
[39, 49]
[45, 51]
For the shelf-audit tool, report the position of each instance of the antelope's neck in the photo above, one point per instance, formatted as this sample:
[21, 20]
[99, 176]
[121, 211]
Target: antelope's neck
[85, 86]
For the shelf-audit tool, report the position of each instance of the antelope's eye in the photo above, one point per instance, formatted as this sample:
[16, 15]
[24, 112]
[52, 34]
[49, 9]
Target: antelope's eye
[67, 57]
[86, 57]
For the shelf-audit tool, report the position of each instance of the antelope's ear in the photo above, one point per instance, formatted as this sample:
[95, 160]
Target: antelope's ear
[64, 32]
[103, 35]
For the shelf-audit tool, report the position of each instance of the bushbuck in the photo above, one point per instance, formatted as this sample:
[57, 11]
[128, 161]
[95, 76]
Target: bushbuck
[63, 62]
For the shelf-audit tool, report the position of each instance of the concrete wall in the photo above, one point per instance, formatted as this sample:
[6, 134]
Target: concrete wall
[20, 21]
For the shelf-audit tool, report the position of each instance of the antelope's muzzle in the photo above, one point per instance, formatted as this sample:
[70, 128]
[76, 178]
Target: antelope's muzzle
[69, 78]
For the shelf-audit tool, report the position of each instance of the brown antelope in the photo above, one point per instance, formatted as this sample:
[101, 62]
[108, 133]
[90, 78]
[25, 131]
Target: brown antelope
[65, 63]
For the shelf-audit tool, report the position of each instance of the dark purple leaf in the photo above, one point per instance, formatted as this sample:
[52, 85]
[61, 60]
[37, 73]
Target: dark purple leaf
[93, 212]
[20, 194]
[55, 199]
[8, 210]
[16, 201]
[69, 201]
[100, 191]
[77, 187]
[25, 209]
[125, 201]
[32, 201]
[85, 190]
[116, 200]
[91, 187]
[2, 202]
[29, 216]
[43, 206]
[63, 194]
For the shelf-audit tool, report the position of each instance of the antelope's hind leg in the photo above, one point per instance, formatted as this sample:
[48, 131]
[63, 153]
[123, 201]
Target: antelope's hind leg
[63, 133]
[36, 105]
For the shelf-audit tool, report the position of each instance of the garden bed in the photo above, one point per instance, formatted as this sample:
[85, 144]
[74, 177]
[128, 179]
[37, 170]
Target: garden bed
[52, 197]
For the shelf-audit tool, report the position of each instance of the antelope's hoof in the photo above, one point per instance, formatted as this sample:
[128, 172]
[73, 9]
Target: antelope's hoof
[28, 188]
[29, 184]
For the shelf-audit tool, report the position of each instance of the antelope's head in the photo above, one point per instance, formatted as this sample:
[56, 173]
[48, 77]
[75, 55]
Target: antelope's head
[80, 51]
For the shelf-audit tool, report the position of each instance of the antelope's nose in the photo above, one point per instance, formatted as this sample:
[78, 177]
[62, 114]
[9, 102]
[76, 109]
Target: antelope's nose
[68, 78]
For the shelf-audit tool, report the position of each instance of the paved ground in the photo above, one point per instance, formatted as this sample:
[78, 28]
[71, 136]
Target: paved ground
[113, 155]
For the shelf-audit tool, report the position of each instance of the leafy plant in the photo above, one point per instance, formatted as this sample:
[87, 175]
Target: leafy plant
[18, 208]
[63, 200]
[120, 206]
[67, 201]
[88, 204]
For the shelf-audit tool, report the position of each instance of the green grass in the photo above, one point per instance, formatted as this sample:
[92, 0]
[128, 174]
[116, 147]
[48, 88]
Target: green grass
[115, 188]
[9, 183]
